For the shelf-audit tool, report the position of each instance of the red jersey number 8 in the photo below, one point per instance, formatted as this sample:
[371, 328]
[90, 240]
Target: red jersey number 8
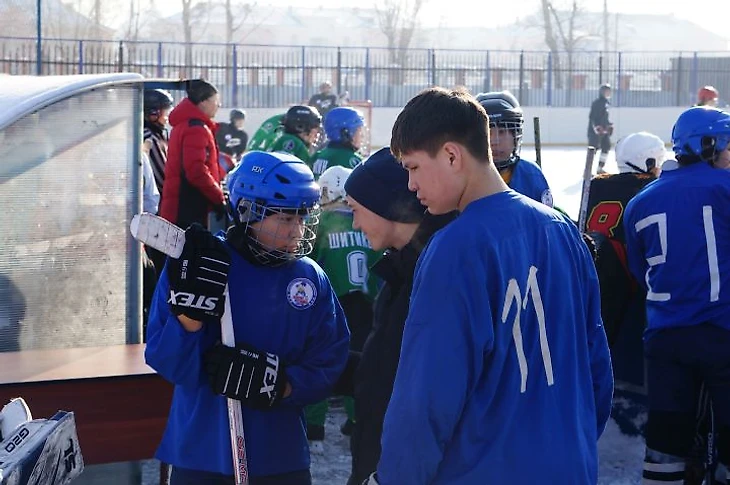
[605, 217]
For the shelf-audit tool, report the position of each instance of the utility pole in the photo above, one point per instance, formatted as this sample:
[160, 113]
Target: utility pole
[605, 26]
[39, 39]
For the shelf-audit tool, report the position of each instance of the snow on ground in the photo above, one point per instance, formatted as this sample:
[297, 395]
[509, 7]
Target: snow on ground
[620, 456]
[563, 168]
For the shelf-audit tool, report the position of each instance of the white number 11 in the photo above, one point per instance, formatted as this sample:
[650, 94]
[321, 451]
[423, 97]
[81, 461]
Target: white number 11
[515, 295]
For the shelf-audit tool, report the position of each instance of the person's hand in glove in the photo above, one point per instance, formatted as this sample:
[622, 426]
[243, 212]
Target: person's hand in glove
[257, 379]
[199, 277]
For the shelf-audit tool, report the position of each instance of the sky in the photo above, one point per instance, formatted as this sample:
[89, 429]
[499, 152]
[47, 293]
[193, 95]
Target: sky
[712, 15]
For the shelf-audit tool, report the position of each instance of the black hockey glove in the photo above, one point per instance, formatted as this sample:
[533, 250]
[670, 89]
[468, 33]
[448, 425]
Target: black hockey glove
[257, 379]
[199, 277]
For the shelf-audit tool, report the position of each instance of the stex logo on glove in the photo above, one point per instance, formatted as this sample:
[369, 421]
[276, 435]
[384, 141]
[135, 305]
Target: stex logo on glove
[270, 376]
[192, 301]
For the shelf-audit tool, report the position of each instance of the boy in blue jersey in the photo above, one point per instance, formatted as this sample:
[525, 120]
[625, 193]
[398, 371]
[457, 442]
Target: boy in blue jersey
[678, 243]
[506, 121]
[504, 360]
[290, 331]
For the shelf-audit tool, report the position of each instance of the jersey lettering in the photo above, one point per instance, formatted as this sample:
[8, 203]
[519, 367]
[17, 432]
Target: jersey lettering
[347, 239]
[357, 269]
[189, 300]
[605, 217]
[514, 295]
[710, 243]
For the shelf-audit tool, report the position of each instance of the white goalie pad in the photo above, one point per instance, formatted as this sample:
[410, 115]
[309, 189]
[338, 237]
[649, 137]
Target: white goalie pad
[42, 452]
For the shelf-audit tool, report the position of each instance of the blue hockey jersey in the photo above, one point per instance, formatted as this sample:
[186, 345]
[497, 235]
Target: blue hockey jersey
[290, 311]
[528, 179]
[678, 243]
[505, 374]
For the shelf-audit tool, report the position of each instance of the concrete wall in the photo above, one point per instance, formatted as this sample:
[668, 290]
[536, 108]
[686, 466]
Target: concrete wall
[558, 126]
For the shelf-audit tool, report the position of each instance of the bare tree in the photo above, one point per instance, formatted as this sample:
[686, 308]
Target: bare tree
[565, 31]
[236, 16]
[398, 20]
[138, 18]
[194, 13]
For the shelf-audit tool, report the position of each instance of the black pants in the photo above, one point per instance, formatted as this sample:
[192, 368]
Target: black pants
[184, 476]
[679, 361]
[599, 141]
[359, 313]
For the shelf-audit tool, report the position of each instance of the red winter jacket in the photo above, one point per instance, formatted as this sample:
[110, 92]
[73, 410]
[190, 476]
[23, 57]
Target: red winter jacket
[192, 176]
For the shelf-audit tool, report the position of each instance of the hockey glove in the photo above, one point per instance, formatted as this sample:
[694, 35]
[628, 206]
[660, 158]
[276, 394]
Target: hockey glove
[199, 277]
[255, 378]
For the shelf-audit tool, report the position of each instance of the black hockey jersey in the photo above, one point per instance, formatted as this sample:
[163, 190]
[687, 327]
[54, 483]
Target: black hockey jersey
[609, 194]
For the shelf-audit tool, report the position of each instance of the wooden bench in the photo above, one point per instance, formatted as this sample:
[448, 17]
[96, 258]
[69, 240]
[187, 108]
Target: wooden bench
[120, 403]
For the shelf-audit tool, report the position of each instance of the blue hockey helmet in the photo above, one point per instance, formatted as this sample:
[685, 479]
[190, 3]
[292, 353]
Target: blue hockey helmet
[266, 183]
[341, 123]
[701, 132]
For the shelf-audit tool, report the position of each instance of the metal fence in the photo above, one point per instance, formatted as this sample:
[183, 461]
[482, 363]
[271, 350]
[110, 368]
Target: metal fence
[274, 76]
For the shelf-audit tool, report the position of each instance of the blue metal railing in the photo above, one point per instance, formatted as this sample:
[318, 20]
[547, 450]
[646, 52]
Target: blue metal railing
[278, 75]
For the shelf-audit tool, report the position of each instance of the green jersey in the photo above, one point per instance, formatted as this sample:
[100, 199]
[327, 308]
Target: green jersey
[333, 156]
[290, 144]
[345, 255]
[266, 133]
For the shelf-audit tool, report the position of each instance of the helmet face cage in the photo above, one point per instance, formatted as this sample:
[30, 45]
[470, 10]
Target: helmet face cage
[250, 212]
[515, 128]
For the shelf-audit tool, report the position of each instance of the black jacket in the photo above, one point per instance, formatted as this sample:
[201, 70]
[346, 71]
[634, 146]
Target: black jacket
[375, 374]
[599, 114]
[231, 140]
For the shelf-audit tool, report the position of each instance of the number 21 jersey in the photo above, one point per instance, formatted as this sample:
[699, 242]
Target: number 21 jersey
[678, 241]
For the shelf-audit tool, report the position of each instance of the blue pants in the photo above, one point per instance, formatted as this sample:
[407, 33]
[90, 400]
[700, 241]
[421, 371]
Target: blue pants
[678, 362]
[184, 476]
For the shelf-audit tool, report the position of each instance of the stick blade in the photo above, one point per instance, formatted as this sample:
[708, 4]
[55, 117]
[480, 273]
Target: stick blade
[158, 233]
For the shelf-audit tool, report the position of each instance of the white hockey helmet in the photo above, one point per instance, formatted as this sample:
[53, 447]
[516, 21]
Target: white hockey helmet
[635, 152]
[332, 182]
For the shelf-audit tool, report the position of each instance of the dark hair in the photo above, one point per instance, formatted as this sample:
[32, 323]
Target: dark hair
[198, 90]
[436, 116]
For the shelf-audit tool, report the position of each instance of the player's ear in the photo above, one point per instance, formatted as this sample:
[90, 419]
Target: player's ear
[452, 154]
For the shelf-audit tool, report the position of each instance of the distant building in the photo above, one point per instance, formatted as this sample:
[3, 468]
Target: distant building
[18, 19]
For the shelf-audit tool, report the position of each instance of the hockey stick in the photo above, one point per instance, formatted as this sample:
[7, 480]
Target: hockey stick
[590, 155]
[538, 142]
[167, 238]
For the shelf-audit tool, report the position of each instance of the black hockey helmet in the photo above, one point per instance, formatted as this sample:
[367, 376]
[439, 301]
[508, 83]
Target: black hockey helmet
[155, 100]
[504, 111]
[237, 114]
[301, 119]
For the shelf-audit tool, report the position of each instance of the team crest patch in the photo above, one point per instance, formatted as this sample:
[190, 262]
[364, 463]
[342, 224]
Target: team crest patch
[289, 145]
[301, 293]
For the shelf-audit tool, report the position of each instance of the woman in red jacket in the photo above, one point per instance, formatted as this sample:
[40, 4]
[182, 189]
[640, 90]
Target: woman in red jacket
[192, 179]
